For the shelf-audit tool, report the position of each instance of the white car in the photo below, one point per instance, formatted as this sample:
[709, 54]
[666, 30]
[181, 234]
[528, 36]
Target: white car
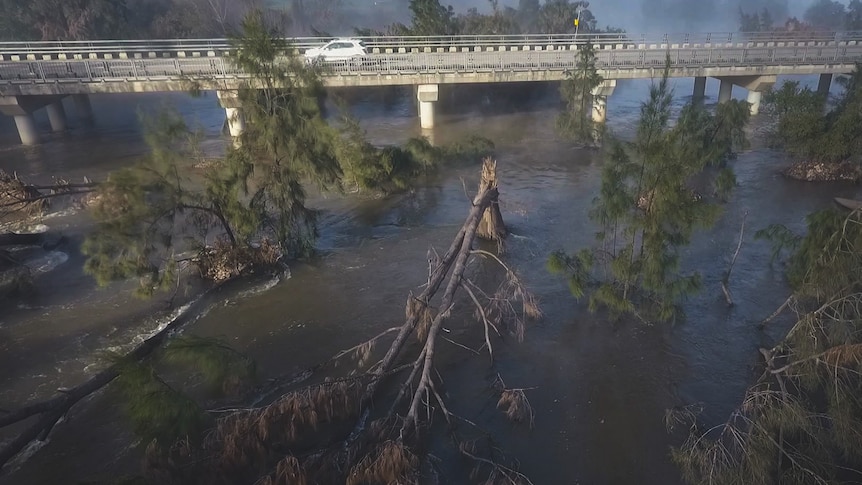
[337, 50]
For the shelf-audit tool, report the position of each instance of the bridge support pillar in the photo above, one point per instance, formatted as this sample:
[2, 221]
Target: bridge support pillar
[235, 121]
[600, 109]
[57, 116]
[22, 108]
[83, 107]
[427, 95]
[725, 89]
[27, 129]
[824, 84]
[699, 89]
[754, 102]
[600, 99]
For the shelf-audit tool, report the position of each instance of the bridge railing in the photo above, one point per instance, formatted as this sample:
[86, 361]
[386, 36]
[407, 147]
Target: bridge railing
[218, 47]
[402, 66]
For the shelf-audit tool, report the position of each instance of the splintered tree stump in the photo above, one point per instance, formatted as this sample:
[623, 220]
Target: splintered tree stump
[491, 227]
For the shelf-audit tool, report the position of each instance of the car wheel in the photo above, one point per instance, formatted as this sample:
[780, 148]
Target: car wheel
[355, 61]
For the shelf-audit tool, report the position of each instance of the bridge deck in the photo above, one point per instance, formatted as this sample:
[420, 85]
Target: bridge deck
[48, 68]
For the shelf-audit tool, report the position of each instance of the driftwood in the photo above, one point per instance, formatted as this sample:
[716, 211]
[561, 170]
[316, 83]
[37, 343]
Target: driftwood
[237, 443]
[725, 281]
[51, 410]
[851, 204]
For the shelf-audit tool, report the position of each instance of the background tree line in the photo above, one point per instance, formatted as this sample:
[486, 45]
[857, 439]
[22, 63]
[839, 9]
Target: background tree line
[430, 17]
[126, 19]
[823, 15]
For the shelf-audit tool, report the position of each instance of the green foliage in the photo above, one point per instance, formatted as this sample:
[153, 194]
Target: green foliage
[576, 121]
[756, 22]
[117, 19]
[826, 15]
[828, 259]
[431, 18]
[806, 131]
[138, 213]
[156, 410]
[285, 135]
[576, 268]
[854, 16]
[386, 170]
[147, 213]
[67, 20]
[152, 210]
[392, 169]
[223, 369]
[558, 16]
[781, 238]
[646, 211]
[501, 21]
[802, 421]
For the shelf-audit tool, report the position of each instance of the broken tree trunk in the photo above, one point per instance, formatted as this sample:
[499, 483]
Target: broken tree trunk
[725, 281]
[418, 305]
[51, 410]
[491, 227]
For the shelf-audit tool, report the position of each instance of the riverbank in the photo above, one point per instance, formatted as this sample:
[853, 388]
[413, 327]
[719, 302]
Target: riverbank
[814, 171]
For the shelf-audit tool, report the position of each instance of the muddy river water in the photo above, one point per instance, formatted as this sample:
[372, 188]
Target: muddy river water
[600, 388]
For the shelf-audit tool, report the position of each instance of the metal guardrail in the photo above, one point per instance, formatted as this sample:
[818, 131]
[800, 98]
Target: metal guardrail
[219, 46]
[218, 68]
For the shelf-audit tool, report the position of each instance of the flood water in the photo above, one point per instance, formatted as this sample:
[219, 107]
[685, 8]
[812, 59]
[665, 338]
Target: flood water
[600, 388]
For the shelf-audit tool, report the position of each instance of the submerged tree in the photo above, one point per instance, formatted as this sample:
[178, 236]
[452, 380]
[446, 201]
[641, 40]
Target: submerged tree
[801, 421]
[148, 213]
[254, 195]
[807, 131]
[391, 169]
[648, 211]
[577, 92]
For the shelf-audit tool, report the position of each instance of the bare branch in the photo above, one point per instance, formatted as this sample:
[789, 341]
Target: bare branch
[726, 280]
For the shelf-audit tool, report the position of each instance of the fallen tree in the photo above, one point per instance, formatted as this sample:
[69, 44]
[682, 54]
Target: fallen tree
[339, 429]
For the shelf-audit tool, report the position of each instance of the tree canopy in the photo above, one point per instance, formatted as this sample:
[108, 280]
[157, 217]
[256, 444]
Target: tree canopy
[576, 89]
[647, 210]
[807, 130]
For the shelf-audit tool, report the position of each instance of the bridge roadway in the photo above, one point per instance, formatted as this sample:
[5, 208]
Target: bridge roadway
[37, 74]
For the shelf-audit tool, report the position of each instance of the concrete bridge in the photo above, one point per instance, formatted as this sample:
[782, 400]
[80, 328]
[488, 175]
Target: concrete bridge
[40, 74]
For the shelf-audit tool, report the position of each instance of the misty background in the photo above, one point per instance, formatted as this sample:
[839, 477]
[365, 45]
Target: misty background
[142, 19]
[636, 16]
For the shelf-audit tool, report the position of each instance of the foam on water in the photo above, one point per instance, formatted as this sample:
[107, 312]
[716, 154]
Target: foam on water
[48, 262]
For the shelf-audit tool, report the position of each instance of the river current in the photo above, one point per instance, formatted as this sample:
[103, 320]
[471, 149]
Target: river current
[599, 388]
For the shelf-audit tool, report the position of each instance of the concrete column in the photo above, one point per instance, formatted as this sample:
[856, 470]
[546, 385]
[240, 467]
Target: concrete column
[600, 108]
[600, 99]
[725, 89]
[699, 89]
[754, 102]
[57, 116]
[27, 129]
[427, 95]
[83, 107]
[229, 100]
[824, 84]
[235, 121]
